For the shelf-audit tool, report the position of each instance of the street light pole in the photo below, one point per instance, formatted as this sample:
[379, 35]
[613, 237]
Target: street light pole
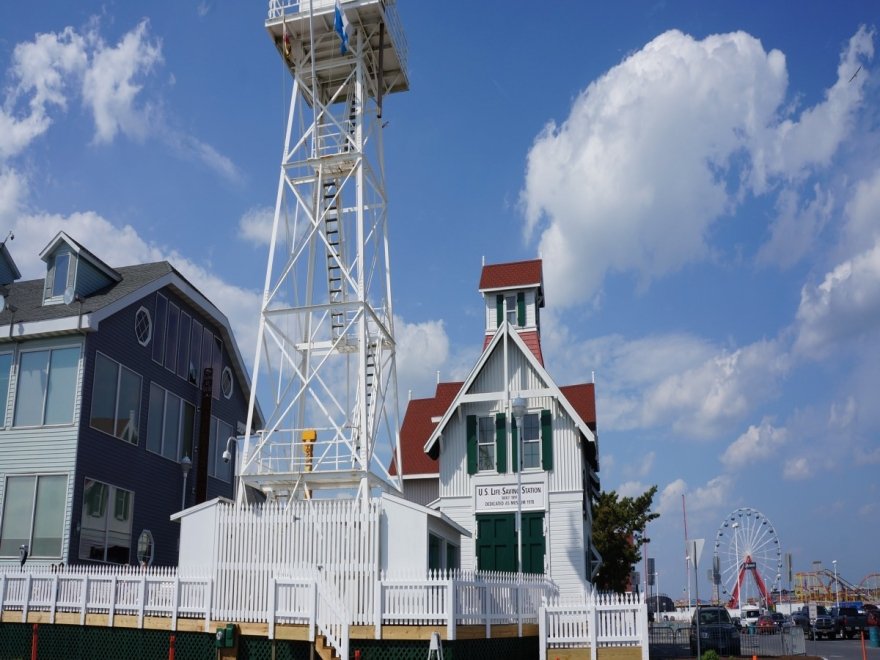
[518, 406]
[185, 467]
[836, 596]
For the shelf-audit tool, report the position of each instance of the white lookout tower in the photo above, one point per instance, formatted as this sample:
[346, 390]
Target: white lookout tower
[326, 337]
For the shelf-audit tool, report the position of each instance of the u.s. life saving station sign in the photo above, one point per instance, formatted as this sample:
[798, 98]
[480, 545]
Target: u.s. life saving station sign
[503, 497]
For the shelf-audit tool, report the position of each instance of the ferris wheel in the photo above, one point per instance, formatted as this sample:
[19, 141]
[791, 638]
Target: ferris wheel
[747, 564]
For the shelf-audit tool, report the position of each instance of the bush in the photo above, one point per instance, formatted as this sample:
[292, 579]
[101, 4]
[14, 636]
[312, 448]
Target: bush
[711, 654]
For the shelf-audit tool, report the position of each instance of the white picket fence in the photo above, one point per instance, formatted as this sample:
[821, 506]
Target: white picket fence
[310, 597]
[599, 620]
[107, 590]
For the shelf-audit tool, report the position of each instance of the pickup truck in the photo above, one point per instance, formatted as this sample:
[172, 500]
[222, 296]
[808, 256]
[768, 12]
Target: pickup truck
[849, 623]
[822, 625]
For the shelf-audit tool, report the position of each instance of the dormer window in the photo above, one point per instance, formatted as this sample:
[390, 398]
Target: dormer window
[510, 305]
[59, 276]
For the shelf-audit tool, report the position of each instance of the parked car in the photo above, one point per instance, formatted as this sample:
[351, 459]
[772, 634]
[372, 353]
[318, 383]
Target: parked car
[750, 614]
[849, 621]
[716, 631]
[766, 625]
[872, 615]
[817, 626]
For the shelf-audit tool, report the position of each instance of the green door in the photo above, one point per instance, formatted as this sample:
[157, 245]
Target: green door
[496, 542]
[533, 542]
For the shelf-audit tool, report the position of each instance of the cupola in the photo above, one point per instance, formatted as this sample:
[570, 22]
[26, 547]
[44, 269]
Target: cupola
[513, 293]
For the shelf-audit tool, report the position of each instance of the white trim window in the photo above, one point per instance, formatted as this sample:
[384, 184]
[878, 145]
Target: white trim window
[46, 388]
[226, 382]
[170, 424]
[116, 399]
[105, 525]
[143, 326]
[486, 444]
[531, 441]
[33, 515]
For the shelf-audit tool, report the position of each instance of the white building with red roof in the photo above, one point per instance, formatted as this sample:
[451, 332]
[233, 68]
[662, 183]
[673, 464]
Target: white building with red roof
[526, 498]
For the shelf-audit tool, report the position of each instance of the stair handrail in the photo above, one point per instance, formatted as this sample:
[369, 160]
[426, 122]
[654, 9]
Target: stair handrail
[331, 615]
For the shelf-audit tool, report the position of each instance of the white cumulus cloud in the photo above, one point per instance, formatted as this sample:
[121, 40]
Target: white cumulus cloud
[422, 350]
[255, 226]
[666, 143]
[757, 443]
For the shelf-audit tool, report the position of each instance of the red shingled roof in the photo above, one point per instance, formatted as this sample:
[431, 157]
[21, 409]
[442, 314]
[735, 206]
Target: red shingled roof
[512, 275]
[531, 338]
[583, 399]
[417, 426]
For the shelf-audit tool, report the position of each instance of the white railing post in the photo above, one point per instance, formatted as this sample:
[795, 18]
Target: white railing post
[519, 616]
[486, 609]
[643, 625]
[450, 609]
[84, 585]
[313, 607]
[27, 598]
[112, 603]
[271, 611]
[2, 590]
[542, 630]
[377, 607]
[54, 602]
[593, 624]
[175, 605]
[142, 599]
[209, 594]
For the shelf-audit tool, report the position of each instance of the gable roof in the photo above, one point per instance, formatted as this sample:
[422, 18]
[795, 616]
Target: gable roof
[25, 316]
[506, 331]
[512, 275]
[418, 423]
[80, 251]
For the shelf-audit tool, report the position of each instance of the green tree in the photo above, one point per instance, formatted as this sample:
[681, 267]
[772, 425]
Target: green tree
[618, 534]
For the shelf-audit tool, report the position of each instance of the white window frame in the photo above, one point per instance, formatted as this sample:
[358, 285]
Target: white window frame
[179, 450]
[141, 312]
[490, 445]
[30, 539]
[76, 380]
[536, 441]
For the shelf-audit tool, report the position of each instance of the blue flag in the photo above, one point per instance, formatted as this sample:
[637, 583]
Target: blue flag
[342, 27]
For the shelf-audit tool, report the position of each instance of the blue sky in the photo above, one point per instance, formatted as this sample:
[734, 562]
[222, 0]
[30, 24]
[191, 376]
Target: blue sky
[702, 180]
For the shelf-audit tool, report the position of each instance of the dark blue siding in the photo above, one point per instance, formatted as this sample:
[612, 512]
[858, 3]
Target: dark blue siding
[157, 482]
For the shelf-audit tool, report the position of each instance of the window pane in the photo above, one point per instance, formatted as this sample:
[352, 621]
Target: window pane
[186, 431]
[155, 418]
[217, 364]
[129, 412]
[171, 338]
[159, 330]
[172, 426]
[207, 343]
[93, 523]
[195, 353]
[59, 280]
[119, 528]
[62, 385]
[31, 389]
[5, 365]
[104, 393]
[17, 508]
[183, 346]
[49, 516]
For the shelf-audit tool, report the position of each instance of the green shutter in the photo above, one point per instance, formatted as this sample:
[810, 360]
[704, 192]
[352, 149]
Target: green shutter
[514, 446]
[546, 440]
[499, 310]
[521, 309]
[501, 442]
[472, 444]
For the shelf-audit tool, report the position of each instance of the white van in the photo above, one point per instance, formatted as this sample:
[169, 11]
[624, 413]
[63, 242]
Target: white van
[749, 615]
